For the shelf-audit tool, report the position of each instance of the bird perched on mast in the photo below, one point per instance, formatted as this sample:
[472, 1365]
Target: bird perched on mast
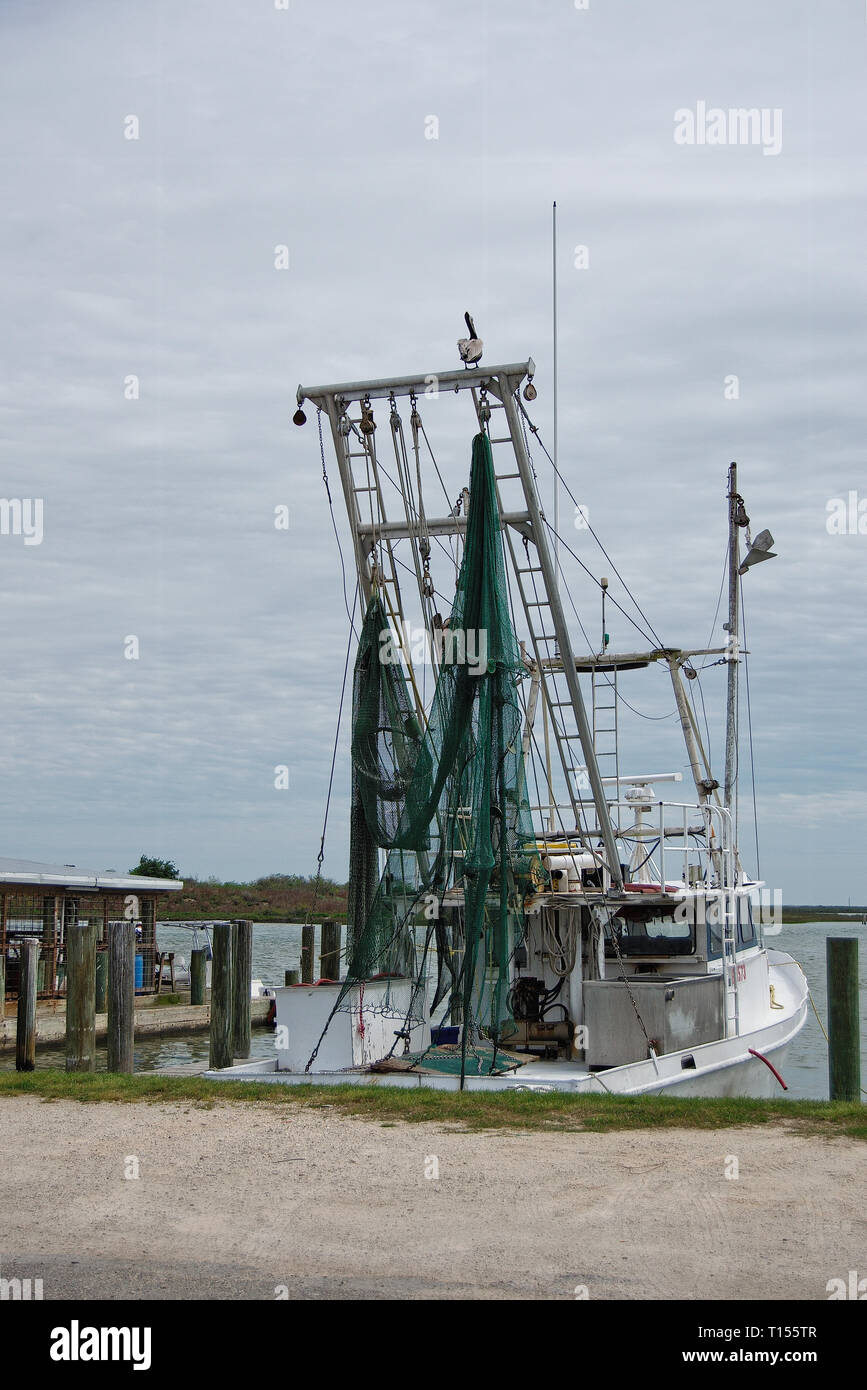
[470, 348]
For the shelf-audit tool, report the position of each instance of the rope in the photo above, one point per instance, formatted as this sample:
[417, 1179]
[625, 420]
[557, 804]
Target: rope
[334, 526]
[321, 856]
[625, 978]
[813, 1002]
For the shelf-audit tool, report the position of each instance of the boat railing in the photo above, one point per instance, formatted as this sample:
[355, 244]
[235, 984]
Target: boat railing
[689, 845]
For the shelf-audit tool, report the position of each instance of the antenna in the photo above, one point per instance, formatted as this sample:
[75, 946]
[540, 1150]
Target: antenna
[555, 455]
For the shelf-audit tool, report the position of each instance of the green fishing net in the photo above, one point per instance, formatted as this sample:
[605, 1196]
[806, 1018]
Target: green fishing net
[447, 802]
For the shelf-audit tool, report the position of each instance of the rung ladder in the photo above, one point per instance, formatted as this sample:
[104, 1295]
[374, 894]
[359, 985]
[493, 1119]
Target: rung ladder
[729, 938]
[540, 625]
[367, 505]
[606, 741]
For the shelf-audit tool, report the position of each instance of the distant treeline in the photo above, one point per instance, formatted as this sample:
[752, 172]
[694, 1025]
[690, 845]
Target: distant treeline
[276, 898]
[289, 897]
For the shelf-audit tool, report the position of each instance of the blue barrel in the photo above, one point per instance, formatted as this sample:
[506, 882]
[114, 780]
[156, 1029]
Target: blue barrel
[139, 972]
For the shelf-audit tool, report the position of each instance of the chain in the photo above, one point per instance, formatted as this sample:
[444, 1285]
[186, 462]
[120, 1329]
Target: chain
[322, 452]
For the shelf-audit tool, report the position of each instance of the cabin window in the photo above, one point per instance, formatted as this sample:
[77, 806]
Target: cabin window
[714, 936]
[660, 936]
[747, 928]
[746, 932]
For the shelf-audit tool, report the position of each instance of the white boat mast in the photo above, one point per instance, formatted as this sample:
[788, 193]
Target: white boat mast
[555, 452]
[736, 518]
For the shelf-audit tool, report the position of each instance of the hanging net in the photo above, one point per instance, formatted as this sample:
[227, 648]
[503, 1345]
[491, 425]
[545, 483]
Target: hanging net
[447, 802]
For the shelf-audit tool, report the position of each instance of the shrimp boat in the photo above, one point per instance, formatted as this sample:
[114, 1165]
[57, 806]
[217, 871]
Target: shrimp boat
[524, 911]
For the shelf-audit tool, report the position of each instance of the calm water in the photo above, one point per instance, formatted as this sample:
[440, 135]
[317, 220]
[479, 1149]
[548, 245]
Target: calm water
[277, 947]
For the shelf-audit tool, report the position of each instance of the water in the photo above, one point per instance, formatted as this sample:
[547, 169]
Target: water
[806, 1068]
[277, 947]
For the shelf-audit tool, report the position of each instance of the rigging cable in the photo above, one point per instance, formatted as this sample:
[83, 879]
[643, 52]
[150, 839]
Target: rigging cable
[673, 713]
[334, 527]
[611, 599]
[571, 495]
[321, 856]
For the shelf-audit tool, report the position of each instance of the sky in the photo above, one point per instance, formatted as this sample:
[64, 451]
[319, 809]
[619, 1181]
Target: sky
[166, 646]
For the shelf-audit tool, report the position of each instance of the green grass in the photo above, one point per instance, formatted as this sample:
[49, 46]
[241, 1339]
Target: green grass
[476, 1111]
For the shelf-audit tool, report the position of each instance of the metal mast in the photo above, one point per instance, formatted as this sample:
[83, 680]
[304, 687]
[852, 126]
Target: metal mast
[732, 644]
[543, 612]
[555, 454]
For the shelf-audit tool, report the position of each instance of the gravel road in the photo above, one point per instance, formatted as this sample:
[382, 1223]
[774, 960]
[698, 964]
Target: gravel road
[246, 1202]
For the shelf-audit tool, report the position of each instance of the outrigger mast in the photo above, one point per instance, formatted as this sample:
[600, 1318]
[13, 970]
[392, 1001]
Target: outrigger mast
[525, 531]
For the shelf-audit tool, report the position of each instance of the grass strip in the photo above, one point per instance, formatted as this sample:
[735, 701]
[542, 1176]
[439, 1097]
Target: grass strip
[479, 1110]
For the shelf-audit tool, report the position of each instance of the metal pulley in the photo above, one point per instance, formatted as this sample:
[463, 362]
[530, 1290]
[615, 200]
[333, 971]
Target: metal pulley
[368, 424]
[484, 407]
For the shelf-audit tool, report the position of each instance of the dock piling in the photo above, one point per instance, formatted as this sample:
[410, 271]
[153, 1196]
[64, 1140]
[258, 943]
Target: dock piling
[101, 977]
[242, 974]
[198, 976]
[307, 954]
[329, 950]
[291, 977]
[81, 997]
[25, 1037]
[121, 996]
[844, 1042]
[221, 998]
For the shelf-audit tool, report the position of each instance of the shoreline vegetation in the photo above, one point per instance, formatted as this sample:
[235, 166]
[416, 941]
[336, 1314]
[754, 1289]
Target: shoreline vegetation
[473, 1110]
[275, 898]
[290, 897]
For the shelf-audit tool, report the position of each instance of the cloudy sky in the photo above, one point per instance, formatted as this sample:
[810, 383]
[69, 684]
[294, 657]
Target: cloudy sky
[307, 126]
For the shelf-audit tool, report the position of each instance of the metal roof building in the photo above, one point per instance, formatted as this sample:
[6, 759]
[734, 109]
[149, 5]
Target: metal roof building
[44, 900]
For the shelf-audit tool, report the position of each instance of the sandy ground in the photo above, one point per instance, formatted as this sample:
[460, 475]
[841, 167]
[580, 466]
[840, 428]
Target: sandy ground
[237, 1201]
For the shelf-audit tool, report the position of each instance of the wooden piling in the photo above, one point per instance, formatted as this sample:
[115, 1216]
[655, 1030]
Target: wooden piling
[221, 998]
[81, 997]
[101, 977]
[242, 973]
[25, 1037]
[121, 996]
[844, 1042]
[198, 976]
[307, 943]
[329, 950]
[291, 977]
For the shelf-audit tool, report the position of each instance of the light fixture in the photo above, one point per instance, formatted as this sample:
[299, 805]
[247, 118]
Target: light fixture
[759, 550]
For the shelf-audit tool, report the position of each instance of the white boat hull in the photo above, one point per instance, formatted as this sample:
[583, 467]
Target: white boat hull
[724, 1068]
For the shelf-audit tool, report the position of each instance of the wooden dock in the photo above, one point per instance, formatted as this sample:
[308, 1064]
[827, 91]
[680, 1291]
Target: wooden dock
[151, 1018]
